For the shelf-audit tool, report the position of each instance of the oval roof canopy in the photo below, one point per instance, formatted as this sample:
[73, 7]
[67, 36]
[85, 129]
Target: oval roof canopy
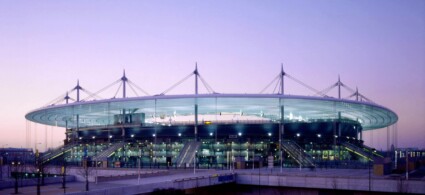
[215, 107]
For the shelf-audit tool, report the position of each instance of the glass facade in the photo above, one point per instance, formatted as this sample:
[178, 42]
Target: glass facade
[232, 130]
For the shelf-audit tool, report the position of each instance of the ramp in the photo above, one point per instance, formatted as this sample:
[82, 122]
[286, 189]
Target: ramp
[297, 153]
[187, 154]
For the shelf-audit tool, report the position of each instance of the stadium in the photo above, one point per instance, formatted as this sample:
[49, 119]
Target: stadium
[214, 130]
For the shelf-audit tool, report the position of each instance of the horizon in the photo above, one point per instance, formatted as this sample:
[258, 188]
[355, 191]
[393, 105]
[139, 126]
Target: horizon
[238, 46]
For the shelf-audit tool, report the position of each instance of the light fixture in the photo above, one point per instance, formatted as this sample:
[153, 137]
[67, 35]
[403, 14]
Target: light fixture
[153, 135]
[211, 134]
[240, 134]
[180, 134]
[132, 135]
[298, 134]
[270, 134]
[318, 135]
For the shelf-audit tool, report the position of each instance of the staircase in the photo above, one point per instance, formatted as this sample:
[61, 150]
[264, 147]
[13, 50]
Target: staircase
[364, 151]
[187, 154]
[52, 154]
[297, 153]
[374, 152]
[103, 156]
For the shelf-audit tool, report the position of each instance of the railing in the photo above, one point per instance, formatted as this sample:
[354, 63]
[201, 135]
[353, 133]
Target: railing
[187, 154]
[357, 150]
[56, 153]
[374, 152]
[174, 123]
[298, 154]
[106, 153]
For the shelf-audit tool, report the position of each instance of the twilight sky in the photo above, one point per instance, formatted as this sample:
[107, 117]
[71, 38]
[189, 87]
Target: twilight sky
[378, 46]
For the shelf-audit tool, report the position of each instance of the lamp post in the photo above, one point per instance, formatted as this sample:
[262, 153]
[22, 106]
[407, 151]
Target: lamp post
[15, 165]
[194, 162]
[38, 165]
[370, 174]
[63, 171]
[407, 164]
[138, 164]
[40, 169]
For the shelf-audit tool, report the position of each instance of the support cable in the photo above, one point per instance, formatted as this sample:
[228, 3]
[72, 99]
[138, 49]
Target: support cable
[202, 81]
[367, 99]
[176, 84]
[268, 85]
[280, 85]
[305, 85]
[206, 85]
[59, 98]
[277, 84]
[326, 90]
[134, 91]
[137, 87]
[348, 88]
[350, 96]
[117, 90]
[90, 93]
[103, 89]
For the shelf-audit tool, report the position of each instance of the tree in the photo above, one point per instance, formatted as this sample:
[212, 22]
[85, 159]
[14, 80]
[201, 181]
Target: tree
[85, 171]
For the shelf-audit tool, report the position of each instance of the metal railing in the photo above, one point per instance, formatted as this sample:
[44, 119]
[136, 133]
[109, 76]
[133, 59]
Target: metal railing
[297, 153]
[187, 154]
[101, 156]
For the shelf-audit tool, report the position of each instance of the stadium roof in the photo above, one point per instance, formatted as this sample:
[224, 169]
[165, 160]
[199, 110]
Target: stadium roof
[262, 106]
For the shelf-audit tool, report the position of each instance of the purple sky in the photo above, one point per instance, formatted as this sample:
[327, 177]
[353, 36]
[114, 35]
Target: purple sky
[379, 46]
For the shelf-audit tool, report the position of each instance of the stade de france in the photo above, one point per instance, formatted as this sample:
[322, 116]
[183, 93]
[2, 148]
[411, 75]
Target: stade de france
[214, 130]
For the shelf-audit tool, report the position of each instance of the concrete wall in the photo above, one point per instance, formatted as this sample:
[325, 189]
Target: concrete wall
[33, 182]
[105, 174]
[338, 183]
[187, 183]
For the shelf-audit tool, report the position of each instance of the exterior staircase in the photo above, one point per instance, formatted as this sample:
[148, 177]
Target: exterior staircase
[103, 156]
[297, 153]
[53, 154]
[365, 152]
[187, 154]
